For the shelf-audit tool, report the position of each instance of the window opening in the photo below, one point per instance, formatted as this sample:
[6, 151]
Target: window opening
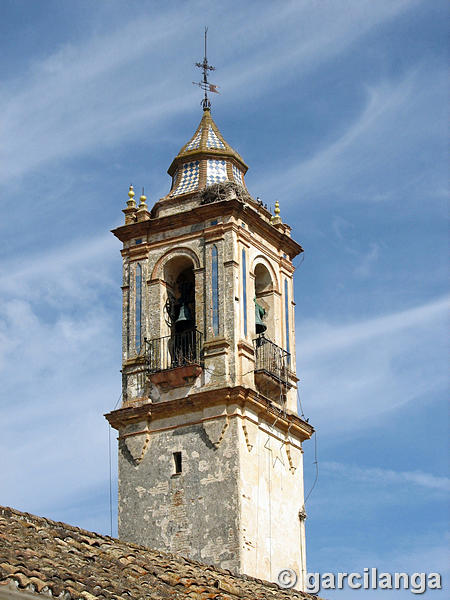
[177, 462]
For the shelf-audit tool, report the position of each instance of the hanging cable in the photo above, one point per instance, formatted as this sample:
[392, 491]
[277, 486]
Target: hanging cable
[118, 400]
[110, 481]
[302, 414]
[301, 260]
[316, 462]
[110, 470]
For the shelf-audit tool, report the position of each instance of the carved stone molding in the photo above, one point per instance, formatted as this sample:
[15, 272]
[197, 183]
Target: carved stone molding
[250, 433]
[215, 429]
[137, 445]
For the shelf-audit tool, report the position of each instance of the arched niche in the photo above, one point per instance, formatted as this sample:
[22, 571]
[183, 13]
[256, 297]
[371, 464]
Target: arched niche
[260, 259]
[180, 252]
[179, 306]
[164, 276]
[178, 345]
[265, 296]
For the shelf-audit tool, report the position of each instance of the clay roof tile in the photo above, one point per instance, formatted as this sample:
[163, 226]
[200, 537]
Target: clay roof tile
[54, 559]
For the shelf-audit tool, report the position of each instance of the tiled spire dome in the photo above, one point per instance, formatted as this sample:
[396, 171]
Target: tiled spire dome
[206, 159]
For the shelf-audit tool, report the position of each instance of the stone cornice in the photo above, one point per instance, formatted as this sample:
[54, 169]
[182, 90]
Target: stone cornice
[214, 343]
[194, 402]
[207, 212]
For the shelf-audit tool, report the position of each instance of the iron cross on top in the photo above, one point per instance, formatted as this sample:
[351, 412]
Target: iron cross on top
[205, 84]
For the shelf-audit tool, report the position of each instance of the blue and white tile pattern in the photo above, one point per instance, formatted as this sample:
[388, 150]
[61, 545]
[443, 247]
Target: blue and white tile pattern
[189, 178]
[216, 171]
[237, 174]
[195, 142]
[213, 141]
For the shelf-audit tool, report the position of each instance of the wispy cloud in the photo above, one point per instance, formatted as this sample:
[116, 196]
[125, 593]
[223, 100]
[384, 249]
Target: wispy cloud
[374, 147]
[386, 517]
[85, 95]
[350, 374]
[387, 477]
[327, 338]
[59, 364]
[381, 101]
[311, 35]
[92, 93]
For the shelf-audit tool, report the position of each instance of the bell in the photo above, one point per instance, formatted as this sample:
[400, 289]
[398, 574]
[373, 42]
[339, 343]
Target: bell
[259, 313]
[184, 320]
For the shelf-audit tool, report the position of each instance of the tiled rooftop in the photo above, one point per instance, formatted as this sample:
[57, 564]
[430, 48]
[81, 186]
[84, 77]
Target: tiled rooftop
[58, 560]
[205, 159]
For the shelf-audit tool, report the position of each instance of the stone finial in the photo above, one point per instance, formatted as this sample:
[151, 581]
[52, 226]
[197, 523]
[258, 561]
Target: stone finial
[131, 202]
[276, 219]
[131, 209]
[143, 199]
[142, 212]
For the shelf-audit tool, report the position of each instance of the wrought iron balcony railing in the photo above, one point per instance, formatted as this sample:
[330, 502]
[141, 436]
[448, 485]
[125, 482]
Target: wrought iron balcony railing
[271, 359]
[173, 351]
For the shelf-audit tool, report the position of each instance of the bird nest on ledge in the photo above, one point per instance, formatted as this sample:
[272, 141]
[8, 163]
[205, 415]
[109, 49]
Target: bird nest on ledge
[226, 190]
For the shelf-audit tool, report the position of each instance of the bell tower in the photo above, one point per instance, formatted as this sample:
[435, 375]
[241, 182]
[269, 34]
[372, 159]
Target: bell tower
[210, 442]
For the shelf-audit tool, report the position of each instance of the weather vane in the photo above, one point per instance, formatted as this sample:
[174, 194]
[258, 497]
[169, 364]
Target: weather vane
[205, 85]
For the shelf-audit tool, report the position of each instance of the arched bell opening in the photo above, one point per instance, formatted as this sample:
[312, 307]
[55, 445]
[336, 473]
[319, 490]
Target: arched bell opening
[271, 359]
[179, 312]
[179, 308]
[264, 303]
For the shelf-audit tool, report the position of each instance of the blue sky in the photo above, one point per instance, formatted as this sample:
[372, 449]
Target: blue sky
[339, 109]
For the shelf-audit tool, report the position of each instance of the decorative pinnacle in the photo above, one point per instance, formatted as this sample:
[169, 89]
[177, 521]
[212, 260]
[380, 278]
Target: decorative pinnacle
[205, 85]
[143, 200]
[131, 203]
[276, 219]
[142, 212]
[130, 210]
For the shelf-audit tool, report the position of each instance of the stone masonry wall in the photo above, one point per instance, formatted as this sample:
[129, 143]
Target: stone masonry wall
[194, 513]
[271, 488]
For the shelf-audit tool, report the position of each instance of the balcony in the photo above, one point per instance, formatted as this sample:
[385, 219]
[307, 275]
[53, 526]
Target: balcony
[175, 360]
[272, 365]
